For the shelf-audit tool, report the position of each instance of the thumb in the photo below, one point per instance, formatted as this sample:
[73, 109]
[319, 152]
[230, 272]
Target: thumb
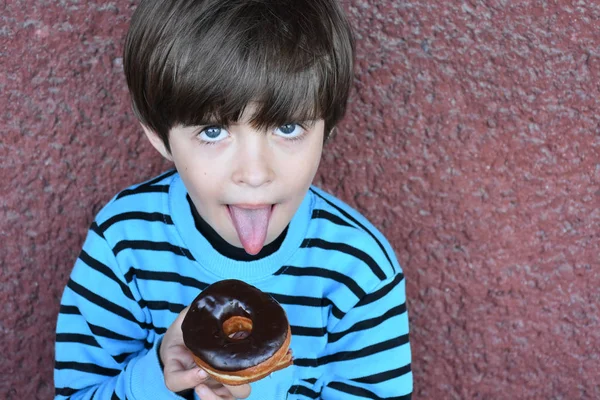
[239, 391]
[178, 380]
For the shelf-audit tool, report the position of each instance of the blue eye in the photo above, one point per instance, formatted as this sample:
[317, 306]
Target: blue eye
[290, 130]
[213, 134]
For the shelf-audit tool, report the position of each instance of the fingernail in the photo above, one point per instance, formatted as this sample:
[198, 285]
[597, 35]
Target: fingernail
[201, 373]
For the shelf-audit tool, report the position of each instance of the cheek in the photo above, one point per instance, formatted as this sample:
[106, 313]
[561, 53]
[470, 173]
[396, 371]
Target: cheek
[311, 161]
[298, 171]
[199, 178]
[300, 163]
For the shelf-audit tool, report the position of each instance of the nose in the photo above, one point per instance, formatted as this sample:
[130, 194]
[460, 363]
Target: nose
[253, 163]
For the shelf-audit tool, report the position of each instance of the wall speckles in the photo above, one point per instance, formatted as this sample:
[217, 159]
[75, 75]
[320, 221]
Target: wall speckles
[472, 141]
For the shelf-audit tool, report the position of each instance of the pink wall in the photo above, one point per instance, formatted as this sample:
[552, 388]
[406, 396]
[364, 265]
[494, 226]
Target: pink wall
[472, 141]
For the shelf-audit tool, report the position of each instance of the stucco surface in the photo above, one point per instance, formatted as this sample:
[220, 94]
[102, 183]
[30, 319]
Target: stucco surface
[472, 141]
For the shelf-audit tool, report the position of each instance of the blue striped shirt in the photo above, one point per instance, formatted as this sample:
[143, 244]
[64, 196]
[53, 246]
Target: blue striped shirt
[143, 261]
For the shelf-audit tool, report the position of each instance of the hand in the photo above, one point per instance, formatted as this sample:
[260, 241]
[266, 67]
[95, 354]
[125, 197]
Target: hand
[213, 390]
[182, 373]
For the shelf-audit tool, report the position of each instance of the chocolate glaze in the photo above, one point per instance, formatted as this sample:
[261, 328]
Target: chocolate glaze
[203, 326]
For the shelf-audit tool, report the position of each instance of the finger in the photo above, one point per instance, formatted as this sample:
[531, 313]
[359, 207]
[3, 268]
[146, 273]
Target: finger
[177, 379]
[207, 394]
[182, 314]
[181, 355]
[178, 361]
[224, 393]
[239, 391]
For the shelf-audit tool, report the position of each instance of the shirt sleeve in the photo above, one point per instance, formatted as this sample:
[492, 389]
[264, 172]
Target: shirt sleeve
[368, 351]
[106, 347]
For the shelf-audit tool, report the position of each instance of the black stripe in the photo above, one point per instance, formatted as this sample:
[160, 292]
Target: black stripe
[149, 186]
[310, 380]
[114, 396]
[105, 270]
[351, 218]
[353, 354]
[120, 358]
[304, 391]
[94, 392]
[164, 277]
[110, 306]
[159, 330]
[96, 229]
[320, 213]
[76, 338]
[368, 323]
[347, 249]
[86, 367]
[102, 302]
[101, 331]
[163, 305]
[308, 301]
[144, 189]
[336, 312]
[70, 310]
[65, 391]
[375, 296]
[384, 376]
[138, 215]
[162, 176]
[361, 392]
[154, 246]
[130, 274]
[300, 300]
[324, 273]
[306, 331]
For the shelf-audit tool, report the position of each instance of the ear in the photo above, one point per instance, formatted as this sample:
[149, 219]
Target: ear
[329, 136]
[157, 142]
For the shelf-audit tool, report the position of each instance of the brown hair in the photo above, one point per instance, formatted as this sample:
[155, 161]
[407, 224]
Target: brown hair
[195, 62]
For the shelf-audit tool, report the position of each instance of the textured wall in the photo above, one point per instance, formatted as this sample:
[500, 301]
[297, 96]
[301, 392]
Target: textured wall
[472, 141]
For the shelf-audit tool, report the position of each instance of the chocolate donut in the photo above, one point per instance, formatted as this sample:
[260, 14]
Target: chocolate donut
[237, 333]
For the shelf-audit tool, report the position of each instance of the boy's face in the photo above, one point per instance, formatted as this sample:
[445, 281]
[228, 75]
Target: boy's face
[246, 184]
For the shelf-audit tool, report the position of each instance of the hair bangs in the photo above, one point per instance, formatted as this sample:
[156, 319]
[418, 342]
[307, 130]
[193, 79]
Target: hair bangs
[281, 78]
[209, 61]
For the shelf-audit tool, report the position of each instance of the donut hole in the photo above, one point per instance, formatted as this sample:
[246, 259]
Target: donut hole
[237, 327]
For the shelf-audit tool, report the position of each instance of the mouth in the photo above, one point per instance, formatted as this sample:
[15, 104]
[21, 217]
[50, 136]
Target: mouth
[249, 206]
[251, 223]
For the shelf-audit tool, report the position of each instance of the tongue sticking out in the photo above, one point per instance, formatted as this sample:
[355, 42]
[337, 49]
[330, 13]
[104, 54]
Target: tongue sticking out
[251, 226]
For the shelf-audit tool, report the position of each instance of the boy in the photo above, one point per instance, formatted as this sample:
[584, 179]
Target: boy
[240, 95]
